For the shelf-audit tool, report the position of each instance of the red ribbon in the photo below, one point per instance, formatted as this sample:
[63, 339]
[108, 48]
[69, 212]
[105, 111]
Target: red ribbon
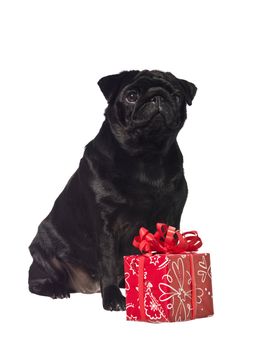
[141, 287]
[193, 281]
[166, 240]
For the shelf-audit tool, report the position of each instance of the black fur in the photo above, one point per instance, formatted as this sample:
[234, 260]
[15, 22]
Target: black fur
[130, 175]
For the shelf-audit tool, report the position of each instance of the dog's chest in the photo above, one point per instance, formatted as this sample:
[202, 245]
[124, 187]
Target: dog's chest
[138, 187]
[148, 190]
[156, 183]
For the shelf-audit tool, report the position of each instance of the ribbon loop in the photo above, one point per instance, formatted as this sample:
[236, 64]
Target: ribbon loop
[166, 240]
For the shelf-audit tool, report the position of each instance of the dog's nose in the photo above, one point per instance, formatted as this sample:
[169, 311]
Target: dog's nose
[157, 99]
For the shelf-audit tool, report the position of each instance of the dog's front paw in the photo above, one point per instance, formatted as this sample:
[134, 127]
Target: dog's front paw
[113, 299]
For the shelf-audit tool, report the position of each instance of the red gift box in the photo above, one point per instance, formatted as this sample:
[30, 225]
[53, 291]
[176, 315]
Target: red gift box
[168, 287]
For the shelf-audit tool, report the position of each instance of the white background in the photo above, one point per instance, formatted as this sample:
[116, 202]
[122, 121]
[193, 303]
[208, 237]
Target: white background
[52, 55]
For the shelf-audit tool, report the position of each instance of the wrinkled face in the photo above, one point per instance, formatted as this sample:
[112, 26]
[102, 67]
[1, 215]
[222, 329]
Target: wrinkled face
[146, 109]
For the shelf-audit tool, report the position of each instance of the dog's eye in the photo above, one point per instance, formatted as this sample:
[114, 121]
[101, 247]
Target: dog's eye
[132, 96]
[176, 98]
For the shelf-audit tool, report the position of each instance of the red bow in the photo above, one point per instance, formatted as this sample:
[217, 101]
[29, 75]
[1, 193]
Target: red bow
[166, 240]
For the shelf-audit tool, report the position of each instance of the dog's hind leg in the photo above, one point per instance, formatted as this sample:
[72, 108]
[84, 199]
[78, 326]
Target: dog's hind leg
[49, 280]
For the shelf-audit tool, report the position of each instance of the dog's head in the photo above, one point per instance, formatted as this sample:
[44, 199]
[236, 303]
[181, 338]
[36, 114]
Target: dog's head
[146, 109]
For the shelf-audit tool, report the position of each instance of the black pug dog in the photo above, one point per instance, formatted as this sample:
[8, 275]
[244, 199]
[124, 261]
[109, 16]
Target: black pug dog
[130, 175]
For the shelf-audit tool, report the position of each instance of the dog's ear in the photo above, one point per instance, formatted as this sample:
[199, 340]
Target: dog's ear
[111, 84]
[188, 89]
